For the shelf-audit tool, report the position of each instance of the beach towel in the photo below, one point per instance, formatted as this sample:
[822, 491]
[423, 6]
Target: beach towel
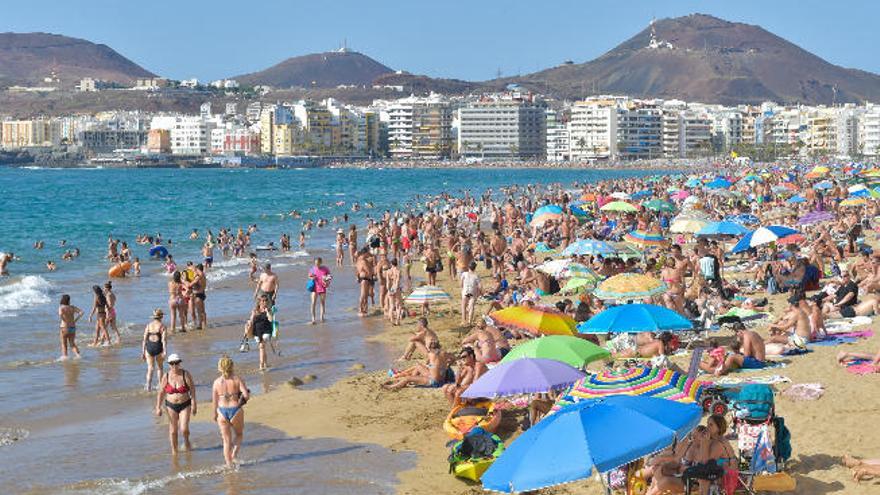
[804, 391]
[738, 380]
[863, 334]
[860, 367]
[833, 340]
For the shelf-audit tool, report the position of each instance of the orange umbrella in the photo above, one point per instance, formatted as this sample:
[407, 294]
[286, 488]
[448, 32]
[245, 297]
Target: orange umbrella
[535, 320]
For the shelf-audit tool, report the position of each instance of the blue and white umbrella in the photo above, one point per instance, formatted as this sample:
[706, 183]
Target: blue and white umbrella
[588, 246]
[723, 228]
[797, 199]
[761, 236]
[743, 219]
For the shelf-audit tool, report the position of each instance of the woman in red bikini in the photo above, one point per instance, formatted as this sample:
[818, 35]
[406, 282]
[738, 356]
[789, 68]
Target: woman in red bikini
[178, 392]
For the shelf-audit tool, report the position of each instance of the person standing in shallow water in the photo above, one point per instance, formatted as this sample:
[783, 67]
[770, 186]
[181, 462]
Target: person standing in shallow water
[111, 310]
[178, 390]
[69, 315]
[99, 311]
[153, 348]
[320, 278]
[229, 394]
[197, 287]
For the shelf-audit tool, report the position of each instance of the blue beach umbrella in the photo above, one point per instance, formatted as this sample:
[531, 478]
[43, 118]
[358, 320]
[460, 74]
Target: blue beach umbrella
[629, 318]
[642, 194]
[693, 183]
[823, 185]
[719, 183]
[600, 433]
[797, 199]
[743, 219]
[761, 236]
[723, 228]
[588, 246]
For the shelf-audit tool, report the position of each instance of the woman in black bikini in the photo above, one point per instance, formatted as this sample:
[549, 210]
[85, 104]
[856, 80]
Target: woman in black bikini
[99, 308]
[178, 391]
[153, 348]
[260, 327]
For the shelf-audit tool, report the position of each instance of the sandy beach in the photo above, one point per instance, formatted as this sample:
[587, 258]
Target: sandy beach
[356, 409]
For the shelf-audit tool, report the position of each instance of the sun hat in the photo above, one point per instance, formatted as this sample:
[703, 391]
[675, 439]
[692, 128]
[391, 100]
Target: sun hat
[174, 358]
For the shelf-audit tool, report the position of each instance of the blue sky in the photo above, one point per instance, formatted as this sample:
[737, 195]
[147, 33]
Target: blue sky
[463, 39]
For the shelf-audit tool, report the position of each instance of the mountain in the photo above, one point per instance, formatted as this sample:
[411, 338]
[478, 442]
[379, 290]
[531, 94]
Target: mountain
[27, 58]
[320, 70]
[703, 58]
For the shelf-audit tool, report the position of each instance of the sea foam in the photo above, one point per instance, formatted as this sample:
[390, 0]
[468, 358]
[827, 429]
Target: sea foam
[29, 291]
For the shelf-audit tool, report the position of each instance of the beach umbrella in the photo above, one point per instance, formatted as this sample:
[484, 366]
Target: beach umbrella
[588, 246]
[554, 267]
[797, 198]
[820, 170]
[619, 206]
[722, 228]
[644, 193]
[627, 286]
[542, 247]
[791, 239]
[625, 251]
[544, 213]
[874, 172]
[534, 320]
[659, 205]
[578, 284]
[693, 183]
[680, 195]
[632, 318]
[599, 434]
[743, 219]
[815, 217]
[588, 197]
[718, 183]
[752, 178]
[427, 294]
[682, 224]
[661, 383]
[523, 376]
[853, 202]
[578, 212]
[823, 185]
[573, 351]
[619, 195]
[581, 271]
[644, 238]
[761, 236]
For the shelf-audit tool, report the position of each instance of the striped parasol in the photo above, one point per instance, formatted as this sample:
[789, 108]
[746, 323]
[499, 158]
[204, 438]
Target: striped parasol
[427, 294]
[534, 320]
[627, 286]
[661, 383]
[644, 238]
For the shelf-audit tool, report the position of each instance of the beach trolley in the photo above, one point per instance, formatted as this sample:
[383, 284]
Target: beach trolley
[763, 440]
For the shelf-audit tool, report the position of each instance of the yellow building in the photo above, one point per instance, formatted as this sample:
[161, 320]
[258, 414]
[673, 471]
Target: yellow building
[159, 141]
[24, 133]
[284, 139]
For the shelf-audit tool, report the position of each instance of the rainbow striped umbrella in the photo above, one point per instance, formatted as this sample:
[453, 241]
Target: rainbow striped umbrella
[427, 294]
[535, 320]
[630, 286]
[644, 238]
[661, 383]
[544, 213]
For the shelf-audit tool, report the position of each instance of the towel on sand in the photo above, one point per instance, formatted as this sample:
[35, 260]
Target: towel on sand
[804, 391]
[765, 380]
[860, 367]
[835, 340]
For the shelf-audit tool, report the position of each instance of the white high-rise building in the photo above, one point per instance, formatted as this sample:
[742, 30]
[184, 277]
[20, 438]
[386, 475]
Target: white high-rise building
[695, 138]
[503, 128]
[593, 130]
[727, 127]
[558, 142]
[189, 135]
[420, 127]
[639, 132]
[870, 131]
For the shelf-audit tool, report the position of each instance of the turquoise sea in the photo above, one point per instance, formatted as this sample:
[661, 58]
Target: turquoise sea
[93, 412]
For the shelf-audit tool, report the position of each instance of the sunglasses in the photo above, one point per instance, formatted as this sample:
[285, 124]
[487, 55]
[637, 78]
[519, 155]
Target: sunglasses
[175, 363]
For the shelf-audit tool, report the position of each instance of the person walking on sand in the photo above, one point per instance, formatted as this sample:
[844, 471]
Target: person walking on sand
[260, 326]
[99, 311]
[68, 315]
[470, 291]
[319, 280]
[111, 310]
[178, 390]
[228, 394]
[153, 347]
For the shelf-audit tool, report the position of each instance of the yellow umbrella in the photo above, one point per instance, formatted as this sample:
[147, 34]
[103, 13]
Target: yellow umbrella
[687, 224]
[630, 286]
[535, 320]
[853, 202]
[874, 172]
[820, 170]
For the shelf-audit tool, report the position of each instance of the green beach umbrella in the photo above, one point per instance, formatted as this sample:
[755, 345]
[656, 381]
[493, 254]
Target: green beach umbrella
[579, 284]
[619, 206]
[573, 351]
[660, 205]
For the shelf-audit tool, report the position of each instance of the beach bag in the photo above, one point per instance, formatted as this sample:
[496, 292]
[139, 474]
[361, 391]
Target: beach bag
[763, 460]
[754, 402]
[310, 285]
[772, 286]
[783, 439]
